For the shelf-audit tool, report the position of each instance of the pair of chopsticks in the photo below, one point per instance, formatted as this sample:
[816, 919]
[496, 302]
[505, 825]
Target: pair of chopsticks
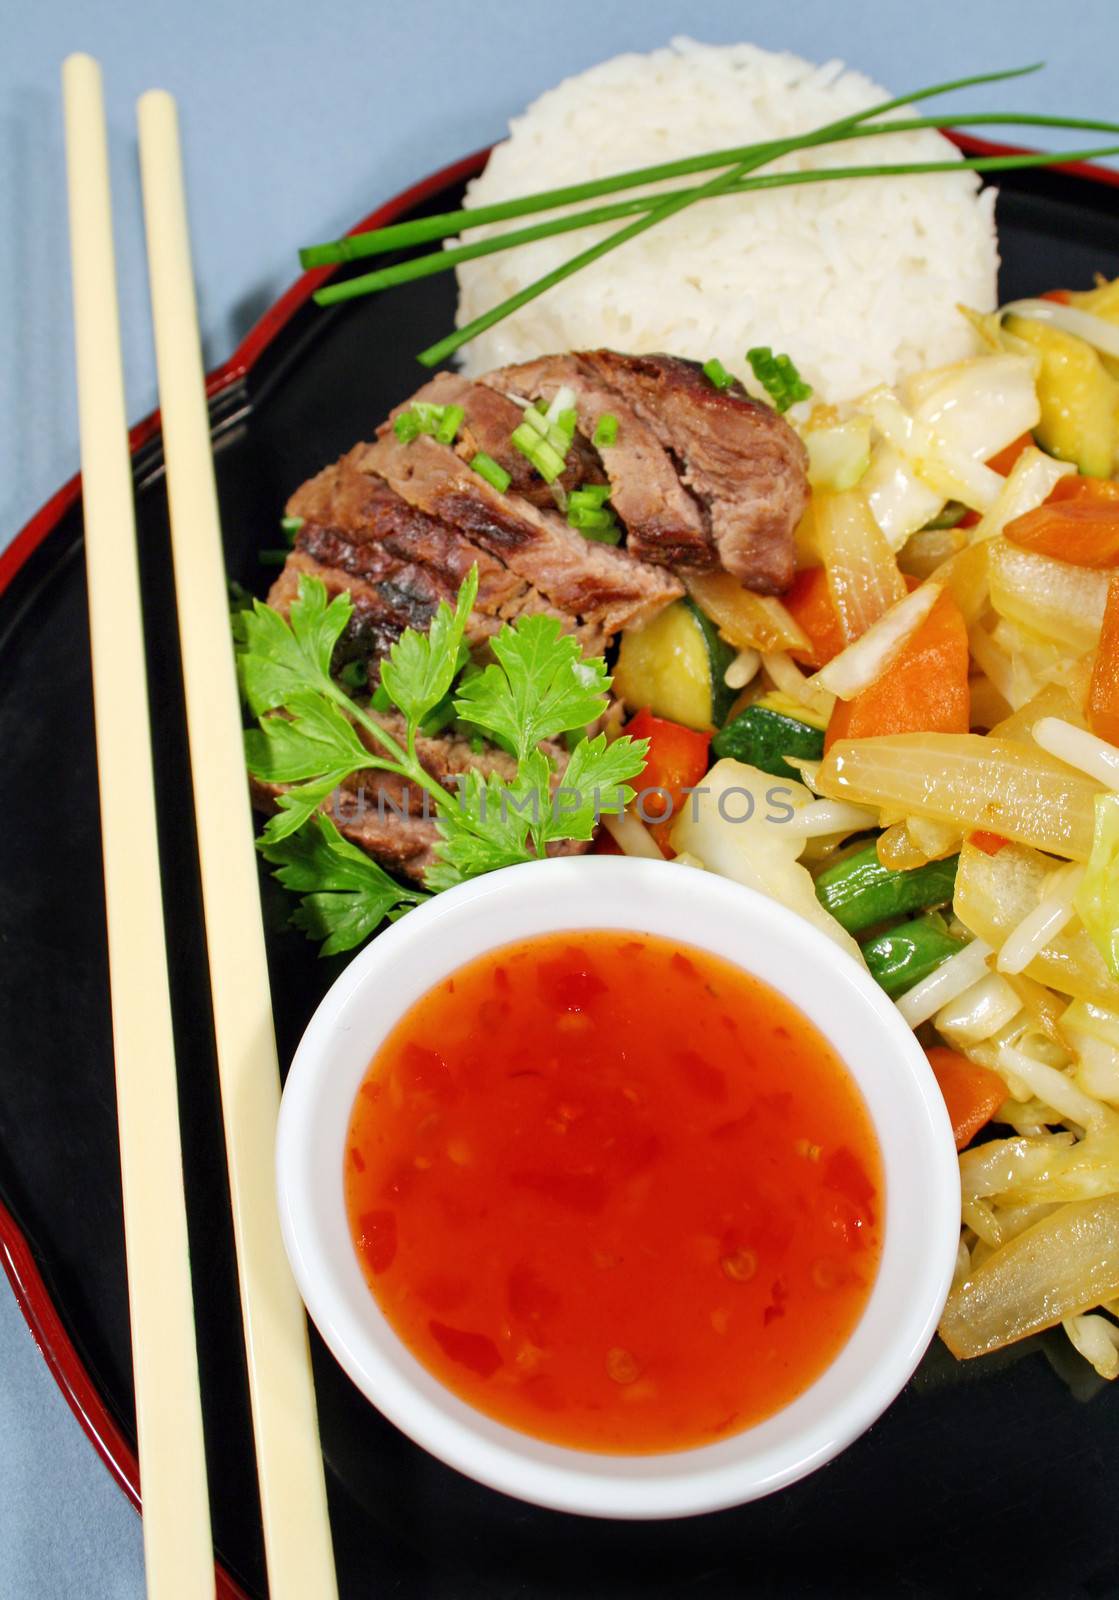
[177, 1537]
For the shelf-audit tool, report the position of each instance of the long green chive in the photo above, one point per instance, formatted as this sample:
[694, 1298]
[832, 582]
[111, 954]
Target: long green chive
[421, 230]
[669, 206]
[606, 431]
[494, 474]
[548, 461]
[716, 373]
[272, 558]
[444, 260]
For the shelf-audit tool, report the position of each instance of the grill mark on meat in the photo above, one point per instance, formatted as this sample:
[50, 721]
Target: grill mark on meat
[577, 576]
[397, 563]
[740, 458]
[664, 523]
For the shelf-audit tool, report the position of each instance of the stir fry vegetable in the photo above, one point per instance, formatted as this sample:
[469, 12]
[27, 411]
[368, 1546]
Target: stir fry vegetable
[943, 680]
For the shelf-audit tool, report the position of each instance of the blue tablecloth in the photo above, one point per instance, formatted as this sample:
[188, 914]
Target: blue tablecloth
[297, 119]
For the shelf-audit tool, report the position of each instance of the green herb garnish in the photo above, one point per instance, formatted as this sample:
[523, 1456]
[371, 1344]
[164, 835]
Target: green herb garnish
[587, 510]
[489, 469]
[716, 373]
[422, 416]
[647, 210]
[312, 737]
[606, 431]
[778, 377]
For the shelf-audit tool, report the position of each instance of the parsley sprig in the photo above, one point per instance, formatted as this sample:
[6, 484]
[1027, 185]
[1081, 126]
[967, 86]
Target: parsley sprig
[309, 740]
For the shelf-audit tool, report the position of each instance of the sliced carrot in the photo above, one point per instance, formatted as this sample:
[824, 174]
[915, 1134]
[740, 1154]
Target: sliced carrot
[989, 843]
[810, 603]
[1004, 460]
[972, 1093]
[1060, 295]
[1075, 486]
[1103, 695]
[1084, 532]
[925, 689]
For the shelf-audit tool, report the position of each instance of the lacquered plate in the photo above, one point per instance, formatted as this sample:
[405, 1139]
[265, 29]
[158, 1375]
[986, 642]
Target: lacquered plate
[1000, 1477]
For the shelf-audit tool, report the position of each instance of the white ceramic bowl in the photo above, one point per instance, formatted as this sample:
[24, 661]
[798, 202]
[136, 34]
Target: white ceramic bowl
[692, 907]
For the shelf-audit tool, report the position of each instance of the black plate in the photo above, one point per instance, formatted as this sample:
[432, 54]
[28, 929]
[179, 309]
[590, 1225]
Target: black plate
[993, 1478]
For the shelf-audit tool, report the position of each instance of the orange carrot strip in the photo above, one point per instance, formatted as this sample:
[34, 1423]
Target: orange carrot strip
[1077, 487]
[1084, 532]
[972, 1093]
[810, 603]
[925, 689]
[1103, 695]
[1004, 460]
[989, 843]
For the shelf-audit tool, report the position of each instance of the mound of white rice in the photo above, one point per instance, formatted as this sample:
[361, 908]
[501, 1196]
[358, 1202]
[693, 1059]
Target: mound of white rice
[858, 280]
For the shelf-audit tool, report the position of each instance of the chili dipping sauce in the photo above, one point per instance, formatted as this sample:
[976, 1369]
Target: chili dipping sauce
[614, 1192]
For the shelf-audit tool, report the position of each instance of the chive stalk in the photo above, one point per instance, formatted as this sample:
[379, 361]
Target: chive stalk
[422, 230]
[494, 474]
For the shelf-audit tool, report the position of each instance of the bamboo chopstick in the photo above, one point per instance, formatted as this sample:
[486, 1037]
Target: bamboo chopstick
[289, 1458]
[178, 1549]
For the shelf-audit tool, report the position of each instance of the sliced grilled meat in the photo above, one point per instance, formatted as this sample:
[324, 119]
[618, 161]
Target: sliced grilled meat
[603, 586]
[490, 420]
[394, 821]
[663, 523]
[739, 457]
[397, 563]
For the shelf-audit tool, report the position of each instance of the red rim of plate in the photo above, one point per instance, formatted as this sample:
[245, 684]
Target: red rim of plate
[77, 1384]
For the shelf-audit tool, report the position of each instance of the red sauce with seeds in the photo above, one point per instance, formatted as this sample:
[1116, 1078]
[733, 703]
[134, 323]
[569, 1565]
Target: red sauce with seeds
[614, 1192]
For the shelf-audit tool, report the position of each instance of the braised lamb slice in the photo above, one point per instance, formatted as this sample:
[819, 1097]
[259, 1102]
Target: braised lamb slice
[395, 822]
[490, 419]
[663, 522]
[596, 583]
[739, 457]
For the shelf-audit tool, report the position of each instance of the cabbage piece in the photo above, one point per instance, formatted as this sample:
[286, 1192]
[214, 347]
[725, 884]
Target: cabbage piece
[994, 895]
[979, 405]
[1097, 899]
[899, 501]
[1055, 599]
[1092, 1032]
[736, 823]
[996, 785]
[1064, 1265]
[964, 412]
[838, 452]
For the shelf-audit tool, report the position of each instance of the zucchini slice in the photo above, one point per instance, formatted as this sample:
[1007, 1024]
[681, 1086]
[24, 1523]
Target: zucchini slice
[676, 665]
[762, 736]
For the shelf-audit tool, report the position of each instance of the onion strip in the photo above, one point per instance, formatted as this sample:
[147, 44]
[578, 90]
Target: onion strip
[870, 657]
[1084, 325]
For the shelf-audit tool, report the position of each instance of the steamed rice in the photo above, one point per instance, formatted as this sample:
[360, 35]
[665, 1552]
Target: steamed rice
[858, 280]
